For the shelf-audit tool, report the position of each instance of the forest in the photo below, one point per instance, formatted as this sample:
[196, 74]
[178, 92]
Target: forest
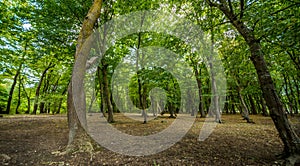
[142, 66]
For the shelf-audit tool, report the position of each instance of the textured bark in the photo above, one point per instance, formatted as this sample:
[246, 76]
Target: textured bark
[287, 134]
[76, 130]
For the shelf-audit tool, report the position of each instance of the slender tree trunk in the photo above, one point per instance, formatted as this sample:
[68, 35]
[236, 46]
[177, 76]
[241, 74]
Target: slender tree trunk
[106, 94]
[287, 134]
[253, 105]
[141, 102]
[27, 97]
[264, 107]
[37, 92]
[11, 92]
[199, 84]
[297, 85]
[245, 111]
[101, 90]
[19, 95]
[215, 99]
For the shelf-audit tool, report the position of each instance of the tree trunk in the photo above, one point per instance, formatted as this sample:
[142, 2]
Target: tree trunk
[287, 134]
[199, 84]
[215, 98]
[101, 90]
[76, 131]
[106, 94]
[245, 111]
[254, 104]
[11, 92]
[27, 97]
[19, 95]
[37, 92]
[264, 107]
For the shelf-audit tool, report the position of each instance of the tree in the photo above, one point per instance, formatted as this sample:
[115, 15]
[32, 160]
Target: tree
[286, 132]
[76, 130]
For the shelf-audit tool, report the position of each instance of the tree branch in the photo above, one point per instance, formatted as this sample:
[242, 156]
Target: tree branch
[230, 6]
[285, 8]
[242, 5]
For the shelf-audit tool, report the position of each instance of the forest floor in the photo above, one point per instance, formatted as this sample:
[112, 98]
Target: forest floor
[35, 139]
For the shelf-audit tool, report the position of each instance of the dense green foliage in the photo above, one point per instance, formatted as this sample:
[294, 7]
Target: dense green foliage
[38, 44]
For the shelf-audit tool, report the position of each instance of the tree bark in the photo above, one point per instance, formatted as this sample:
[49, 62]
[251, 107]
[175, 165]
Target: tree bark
[19, 95]
[215, 98]
[11, 92]
[76, 131]
[37, 92]
[27, 97]
[287, 134]
[106, 94]
[199, 84]
[253, 107]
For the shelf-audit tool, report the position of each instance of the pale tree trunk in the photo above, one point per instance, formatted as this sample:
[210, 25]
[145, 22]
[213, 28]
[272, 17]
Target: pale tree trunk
[215, 99]
[245, 111]
[76, 132]
[287, 134]
[19, 95]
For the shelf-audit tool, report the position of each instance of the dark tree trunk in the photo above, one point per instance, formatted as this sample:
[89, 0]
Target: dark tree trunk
[264, 107]
[287, 134]
[11, 92]
[106, 94]
[199, 84]
[27, 97]
[37, 92]
[253, 108]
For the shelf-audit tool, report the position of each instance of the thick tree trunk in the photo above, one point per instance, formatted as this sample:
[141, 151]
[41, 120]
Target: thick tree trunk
[287, 134]
[76, 131]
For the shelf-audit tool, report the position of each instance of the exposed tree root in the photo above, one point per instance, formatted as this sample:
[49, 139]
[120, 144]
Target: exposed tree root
[248, 119]
[82, 143]
[288, 160]
[292, 160]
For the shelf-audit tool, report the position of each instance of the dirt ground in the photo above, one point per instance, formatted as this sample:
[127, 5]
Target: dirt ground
[34, 140]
